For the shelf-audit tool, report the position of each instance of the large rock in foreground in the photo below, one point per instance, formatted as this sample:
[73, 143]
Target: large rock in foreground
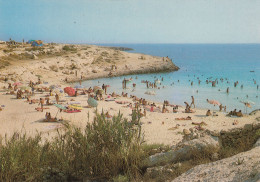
[183, 152]
[242, 167]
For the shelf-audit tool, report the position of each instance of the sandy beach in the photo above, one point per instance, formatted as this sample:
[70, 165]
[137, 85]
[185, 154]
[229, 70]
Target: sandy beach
[158, 127]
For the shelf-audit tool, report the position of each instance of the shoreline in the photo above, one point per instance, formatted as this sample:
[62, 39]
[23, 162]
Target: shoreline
[129, 72]
[95, 62]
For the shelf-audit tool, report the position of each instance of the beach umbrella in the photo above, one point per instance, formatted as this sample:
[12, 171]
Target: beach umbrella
[92, 102]
[214, 102]
[60, 106]
[70, 91]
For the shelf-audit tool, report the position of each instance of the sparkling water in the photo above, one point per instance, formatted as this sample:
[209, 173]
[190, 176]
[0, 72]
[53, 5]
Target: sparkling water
[232, 62]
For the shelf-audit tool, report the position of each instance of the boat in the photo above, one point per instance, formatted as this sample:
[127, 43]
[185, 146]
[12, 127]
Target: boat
[252, 71]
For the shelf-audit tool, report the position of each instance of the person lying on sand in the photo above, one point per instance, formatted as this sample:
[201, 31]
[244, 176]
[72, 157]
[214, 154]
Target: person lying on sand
[188, 110]
[174, 128]
[187, 118]
[10, 93]
[199, 124]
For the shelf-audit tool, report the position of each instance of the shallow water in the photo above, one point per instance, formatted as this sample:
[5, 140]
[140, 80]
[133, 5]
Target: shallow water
[198, 61]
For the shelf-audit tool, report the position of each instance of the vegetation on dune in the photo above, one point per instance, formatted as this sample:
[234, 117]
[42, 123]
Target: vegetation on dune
[105, 149]
[69, 48]
[4, 63]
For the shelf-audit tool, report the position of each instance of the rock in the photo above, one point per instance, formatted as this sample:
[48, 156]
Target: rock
[226, 169]
[94, 71]
[183, 152]
[257, 144]
[186, 132]
[34, 56]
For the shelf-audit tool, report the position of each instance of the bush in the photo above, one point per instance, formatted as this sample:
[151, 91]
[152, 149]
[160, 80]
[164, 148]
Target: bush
[69, 48]
[104, 150]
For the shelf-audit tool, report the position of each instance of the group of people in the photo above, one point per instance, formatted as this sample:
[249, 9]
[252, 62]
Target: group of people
[235, 113]
[48, 117]
[188, 106]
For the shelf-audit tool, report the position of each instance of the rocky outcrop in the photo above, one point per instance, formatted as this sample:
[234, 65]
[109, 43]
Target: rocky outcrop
[183, 151]
[242, 167]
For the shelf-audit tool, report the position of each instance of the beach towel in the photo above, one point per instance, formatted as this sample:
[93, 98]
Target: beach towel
[108, 100]
[188, 118]
[74, 111]
[71, 103]
[122, 102]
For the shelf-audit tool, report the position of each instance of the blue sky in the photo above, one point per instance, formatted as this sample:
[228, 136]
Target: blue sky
[131, 21]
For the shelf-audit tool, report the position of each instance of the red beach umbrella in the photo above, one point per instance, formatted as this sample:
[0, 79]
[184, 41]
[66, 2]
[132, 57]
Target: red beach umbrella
[70, 91]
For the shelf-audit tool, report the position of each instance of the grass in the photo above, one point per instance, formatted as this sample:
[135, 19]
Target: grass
[103, 151]
[69, 48]
[4, 63]
[34, 49]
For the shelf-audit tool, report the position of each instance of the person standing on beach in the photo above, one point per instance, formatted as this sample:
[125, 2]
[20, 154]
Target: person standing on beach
[220, 107]
[41, 103]
[228, 90]
[192, 101]
[57, 98]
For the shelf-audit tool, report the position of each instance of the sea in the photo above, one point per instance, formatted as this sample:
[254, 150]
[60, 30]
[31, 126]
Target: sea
[227, 62]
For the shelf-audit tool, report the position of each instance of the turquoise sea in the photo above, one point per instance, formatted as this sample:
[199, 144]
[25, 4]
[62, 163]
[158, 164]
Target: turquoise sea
[232, 62]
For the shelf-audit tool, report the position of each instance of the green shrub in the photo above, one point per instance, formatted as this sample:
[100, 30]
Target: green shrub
[104, 150]
[69, 48]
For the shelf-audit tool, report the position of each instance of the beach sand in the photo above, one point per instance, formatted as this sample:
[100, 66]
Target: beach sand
[19, 115]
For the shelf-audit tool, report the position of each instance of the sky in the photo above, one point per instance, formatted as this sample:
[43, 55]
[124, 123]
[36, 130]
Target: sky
[131, 21]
